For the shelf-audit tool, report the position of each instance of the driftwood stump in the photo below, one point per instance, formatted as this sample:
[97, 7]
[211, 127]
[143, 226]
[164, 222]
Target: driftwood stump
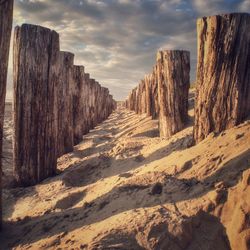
[36, 52]
[6, 17]
[173, 69]
[223, 75]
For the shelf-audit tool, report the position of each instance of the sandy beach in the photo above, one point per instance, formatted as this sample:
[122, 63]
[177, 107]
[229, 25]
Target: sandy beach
[124, 187]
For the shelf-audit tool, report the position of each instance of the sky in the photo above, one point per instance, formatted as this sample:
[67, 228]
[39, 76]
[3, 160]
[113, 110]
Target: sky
[117, 40]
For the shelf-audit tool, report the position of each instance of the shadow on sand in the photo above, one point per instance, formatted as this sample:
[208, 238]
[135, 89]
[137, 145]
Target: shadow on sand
[101, 208]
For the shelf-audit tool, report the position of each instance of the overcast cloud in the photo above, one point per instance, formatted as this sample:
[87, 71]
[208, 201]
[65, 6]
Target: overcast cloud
[117, 40]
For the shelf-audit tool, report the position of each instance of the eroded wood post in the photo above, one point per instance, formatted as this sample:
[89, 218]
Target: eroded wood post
[142, 97]
[154, 93]
[78, 103]
[133, 102]
[36, 52]
[173, 69]
[91, 102]
[137, 100]
[223, 75]
[148, 95]
[6, 17]
[86, 107]
[65, 104]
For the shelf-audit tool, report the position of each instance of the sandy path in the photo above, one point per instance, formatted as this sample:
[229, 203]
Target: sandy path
[124, 187]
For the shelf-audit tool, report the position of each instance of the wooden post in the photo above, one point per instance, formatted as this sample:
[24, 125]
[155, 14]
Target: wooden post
[103, 103]
[223, 75]
[97, 103]
[78, 103]
[133, 101]
[173, 69]
[154, 93]
[65, 108]
[148, 95]
[36, 52]
[142, 97]
[137, 100]
[91, 102]
[106, 97]
[6, 17]
[86, 107]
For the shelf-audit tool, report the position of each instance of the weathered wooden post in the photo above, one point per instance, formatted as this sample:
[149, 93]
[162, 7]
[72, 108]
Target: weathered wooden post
[173, 67]
[6, 17]
[91, 102]
[142, 102]
[154, 89]
[86, 100]
[103, 91]
[139, 97]
[133, 102]
[110, 109]
[36, 52]
[137, 100]
[97, 103]
[223, 75]
[130, 100]
[106, 97]
[65, 109]
[103, 103]
[148, 95]
[78, 103]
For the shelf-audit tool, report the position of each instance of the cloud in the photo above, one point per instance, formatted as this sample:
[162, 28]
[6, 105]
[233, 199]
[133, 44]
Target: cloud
[204, 8]
[117, 40]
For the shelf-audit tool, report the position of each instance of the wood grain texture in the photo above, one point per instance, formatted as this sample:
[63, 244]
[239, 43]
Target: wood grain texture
[36, 51]
[148, 94]
[154, 95]
[173, 68]
[223, 76]
[65, 108]
[78, 100]
[6, 18]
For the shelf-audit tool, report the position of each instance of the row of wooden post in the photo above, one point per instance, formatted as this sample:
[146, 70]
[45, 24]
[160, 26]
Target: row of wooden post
[164, 93]
[55, 103]
[222, 85]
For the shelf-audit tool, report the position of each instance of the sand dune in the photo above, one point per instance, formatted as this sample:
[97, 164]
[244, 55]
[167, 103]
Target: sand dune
[124, 187]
